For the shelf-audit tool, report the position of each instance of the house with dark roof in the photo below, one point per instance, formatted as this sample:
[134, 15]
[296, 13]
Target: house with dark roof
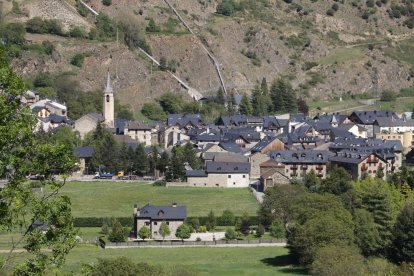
[272, 174]
[299, 163]
[151, 216]
[84, 155]
[259, 153]
[220, 174]
[367, 118]
[140, 132]
[359, 164]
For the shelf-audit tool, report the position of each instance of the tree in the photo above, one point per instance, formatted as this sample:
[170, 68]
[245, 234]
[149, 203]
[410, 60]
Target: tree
[366, 232]
[334, 260]
[171, 103]
[106, 148]
[194, 223]
[211, 220]
[276, 93]
[383, 201]
[152, 27]
[303, 106]
[245, 106]
[388, 96]
[183, 232]
[226, 7]
[245, 224]
[163, 64]
[319, 220]
[403, 236]
[277, 203]
[190, 156]
[134, 37]
[227, 218]
[220, 98]
[312, 182]
[21, 154]
[144, 233]
[337, 183]
[141, 163]
[164, 230]
[277, 229]
[230, 234]
[153, 112]
[163, 162]
[260, 230]
[117, 233]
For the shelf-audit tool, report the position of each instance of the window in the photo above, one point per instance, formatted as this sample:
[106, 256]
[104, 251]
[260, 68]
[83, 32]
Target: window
[168, 223]
[229, 176]
[147, 223]
[244, 176]
[217, 184]
[155, 233]
[107, 98]
[234, 183]
[155, 223]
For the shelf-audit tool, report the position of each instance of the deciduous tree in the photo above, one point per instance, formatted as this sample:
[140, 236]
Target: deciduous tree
[164, 230]
[183, 232]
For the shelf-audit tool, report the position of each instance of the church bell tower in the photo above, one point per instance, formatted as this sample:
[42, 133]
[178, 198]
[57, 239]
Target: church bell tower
[108, 104]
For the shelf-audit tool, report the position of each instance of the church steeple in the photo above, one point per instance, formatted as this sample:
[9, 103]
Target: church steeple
[108, 88]
[109, 103]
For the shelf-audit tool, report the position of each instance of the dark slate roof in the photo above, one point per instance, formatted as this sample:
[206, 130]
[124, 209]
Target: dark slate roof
[368, 117]
[208, 137]
[39, 225]
[137, 125]
[331, 118]
[54, 118]
[392, 122]
[234, 120]
[270, 122]
[184, 120]
[300, 156]
[231, 147]
[353, 157]
[163, 212]
[227, 167]
[195, 173]
[370, 144]
[298, 117]
[84, 152]
[120, 125]
[337, 132]
[294, 138]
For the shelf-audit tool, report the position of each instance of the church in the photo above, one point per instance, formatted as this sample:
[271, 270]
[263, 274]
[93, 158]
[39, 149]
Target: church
[89, 121]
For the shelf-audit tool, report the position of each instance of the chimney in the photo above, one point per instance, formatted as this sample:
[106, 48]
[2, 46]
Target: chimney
[174, 204]
[136, 210]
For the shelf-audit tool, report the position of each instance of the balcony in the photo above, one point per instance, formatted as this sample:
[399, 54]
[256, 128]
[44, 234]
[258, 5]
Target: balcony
[294, 167]
[373, 160]
[304, 167]
[319, 168]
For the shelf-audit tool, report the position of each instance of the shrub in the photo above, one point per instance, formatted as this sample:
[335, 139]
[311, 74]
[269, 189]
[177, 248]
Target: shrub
[230, 234]
[330, 12]
[277, 229]
[260, 230]
[194, 222]
[118, 233]
[226, 7]
[152, 27]
[388, 96]
[202, 229]
[153, 112]
[159, 183]
[78, 59]
[107, 2]
[227, 218]
[77, 32]
[335, 7]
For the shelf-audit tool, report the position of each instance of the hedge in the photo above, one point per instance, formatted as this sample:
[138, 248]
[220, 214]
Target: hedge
[129, 221]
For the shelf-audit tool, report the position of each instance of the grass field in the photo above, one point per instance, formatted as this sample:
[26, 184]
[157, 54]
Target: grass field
[208, 261]
[106, 199]
[341, 55]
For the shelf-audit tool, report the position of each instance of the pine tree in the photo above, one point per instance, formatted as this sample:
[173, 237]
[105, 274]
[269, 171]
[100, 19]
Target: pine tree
[153, 160]
[276, 94]
[191, 157]
[302, 106]
[163, 162]
[141, 163]
[403, 233]
[289, 99]
[177, 163]
[245, 106]
[220, 98]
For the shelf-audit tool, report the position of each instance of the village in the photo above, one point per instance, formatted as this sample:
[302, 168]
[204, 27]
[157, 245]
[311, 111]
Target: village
[239, 151]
